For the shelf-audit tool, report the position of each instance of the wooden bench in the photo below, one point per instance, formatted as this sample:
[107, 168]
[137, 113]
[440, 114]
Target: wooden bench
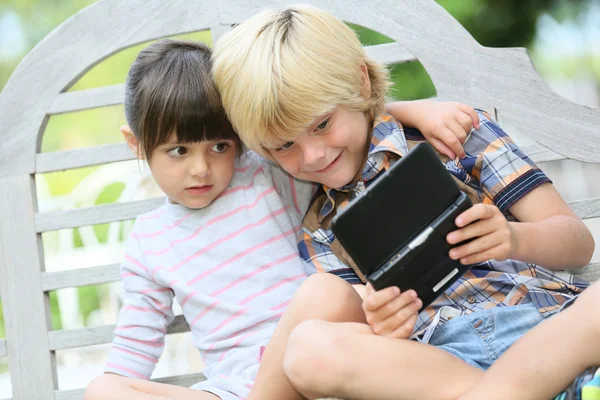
[501, 80]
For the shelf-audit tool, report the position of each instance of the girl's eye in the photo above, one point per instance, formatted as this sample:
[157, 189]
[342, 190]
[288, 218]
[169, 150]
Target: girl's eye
[177, 151]
[323, 125]
[220, 147]
[286, 146]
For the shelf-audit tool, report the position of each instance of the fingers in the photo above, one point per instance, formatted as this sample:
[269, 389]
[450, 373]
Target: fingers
[451, 138]
[392, 307]
[377, 299]
[460, 133]
[477, 212]
[395, 314]
[405, 330]
[484, 243]
[470, 111]
[499, 253]
[442, 148]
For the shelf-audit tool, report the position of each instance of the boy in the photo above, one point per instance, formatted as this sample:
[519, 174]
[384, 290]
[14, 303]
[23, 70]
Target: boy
[319, 114]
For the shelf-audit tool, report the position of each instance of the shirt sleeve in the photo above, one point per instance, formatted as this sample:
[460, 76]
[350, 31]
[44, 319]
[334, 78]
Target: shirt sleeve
[144, 316]
[295, 192]
[316, 253]
[497, 164]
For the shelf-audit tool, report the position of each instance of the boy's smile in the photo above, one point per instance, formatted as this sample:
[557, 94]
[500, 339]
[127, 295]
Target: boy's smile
[331, 151]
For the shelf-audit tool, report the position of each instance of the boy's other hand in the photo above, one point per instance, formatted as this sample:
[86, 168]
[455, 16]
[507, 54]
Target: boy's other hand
[493, 236]
[391, 313]
[446, 126]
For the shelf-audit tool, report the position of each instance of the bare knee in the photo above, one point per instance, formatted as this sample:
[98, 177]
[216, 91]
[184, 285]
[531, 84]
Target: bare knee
[96, 390]
[328, 297]
[314, 359]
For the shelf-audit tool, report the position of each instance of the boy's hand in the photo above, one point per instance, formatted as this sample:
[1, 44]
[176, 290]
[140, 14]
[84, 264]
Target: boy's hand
[493, 237]
[446, 125]
[391, 313]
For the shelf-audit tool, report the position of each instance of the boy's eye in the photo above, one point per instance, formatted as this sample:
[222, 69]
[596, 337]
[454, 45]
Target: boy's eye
[220, 147]
[285, 146]
[323, 125]
[177, 151]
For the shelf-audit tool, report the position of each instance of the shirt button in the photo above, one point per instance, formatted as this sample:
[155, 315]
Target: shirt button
[471, 299]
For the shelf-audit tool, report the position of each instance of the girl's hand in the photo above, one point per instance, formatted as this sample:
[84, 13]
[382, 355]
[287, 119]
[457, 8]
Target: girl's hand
[493, 236]
[391, 313]
[446, 125]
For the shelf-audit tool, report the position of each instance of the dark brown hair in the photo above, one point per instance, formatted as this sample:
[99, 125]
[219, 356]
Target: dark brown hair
[169, 90]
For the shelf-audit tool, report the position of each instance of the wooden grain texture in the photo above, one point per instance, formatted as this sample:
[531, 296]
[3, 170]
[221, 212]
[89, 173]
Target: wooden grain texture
[80, 277]
[24, 303]
[69, 339]
[180, 380]
[101, 214]
[69, 159]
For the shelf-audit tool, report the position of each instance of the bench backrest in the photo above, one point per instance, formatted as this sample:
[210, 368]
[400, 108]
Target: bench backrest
[460, 68]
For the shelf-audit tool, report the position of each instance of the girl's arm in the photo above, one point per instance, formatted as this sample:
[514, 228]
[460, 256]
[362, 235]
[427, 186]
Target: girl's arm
[146, 312]
[444, 124]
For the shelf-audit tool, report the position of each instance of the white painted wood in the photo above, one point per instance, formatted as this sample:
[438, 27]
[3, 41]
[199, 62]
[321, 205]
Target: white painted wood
[80, 277]
[3, 351]
[219, 30]
[60, 340]
[181, 380]
[68, 159]
[23, 301]
[90, 98]
[94, 215]
[44, 73]
[389, 53]
[541, 154]
[591, 273]
[588, 208]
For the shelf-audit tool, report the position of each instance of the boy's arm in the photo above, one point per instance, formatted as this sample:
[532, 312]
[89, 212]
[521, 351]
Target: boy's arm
[444, 124]
[548, 232]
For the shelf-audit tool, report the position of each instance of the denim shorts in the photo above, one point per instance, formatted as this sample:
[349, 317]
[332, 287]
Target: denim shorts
[481, 337]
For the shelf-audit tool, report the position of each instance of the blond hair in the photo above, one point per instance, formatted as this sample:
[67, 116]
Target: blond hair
[281, 69]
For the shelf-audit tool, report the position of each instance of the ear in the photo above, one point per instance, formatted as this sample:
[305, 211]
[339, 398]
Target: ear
[132, 142]
[366, 78]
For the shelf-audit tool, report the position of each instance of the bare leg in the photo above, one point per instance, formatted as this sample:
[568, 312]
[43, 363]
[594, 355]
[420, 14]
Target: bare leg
[547, 359]
[322, 296]
[347, 360]
[115, 387]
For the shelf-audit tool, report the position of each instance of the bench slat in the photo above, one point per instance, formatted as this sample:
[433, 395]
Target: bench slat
[541, 154]
[89, 98]
[389, 53]
[180, 380]
[80, 277]
[94, 215]
[61, 340]
[69, 159]
[589, 208]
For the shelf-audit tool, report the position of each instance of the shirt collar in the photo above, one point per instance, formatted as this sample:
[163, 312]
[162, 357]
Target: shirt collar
[387, 138]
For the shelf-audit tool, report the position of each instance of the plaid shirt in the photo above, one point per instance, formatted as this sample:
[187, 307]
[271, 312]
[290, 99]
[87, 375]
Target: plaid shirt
[495, 171]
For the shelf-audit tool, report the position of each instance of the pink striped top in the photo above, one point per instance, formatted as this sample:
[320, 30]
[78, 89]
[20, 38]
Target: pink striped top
[232, 267]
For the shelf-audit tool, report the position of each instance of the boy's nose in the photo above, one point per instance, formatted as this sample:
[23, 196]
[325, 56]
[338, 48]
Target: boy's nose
[313, 154]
